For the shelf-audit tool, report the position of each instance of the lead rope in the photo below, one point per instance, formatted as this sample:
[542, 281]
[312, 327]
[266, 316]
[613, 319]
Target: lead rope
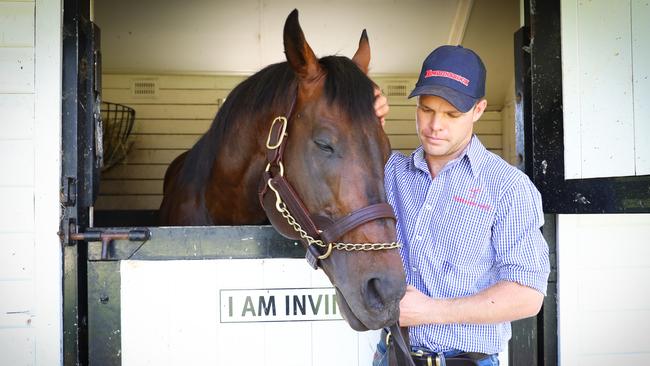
[403, 357]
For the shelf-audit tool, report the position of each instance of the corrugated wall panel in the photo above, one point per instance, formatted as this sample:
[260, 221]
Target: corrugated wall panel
[17, 304]
[16, 346]
[17, 120]
[17, 70]
[181, 108]
[16, 256]
[17, 218]
[22, 156]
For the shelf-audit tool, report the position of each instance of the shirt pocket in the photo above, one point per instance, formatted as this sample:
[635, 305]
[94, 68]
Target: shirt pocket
[464, 248]
[468, 218]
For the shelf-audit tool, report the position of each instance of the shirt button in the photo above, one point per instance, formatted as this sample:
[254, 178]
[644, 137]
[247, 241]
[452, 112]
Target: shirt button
[427, 207]
[414, 269]
[419, 237]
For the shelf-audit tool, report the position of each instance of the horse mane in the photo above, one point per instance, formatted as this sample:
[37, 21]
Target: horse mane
[275, 87]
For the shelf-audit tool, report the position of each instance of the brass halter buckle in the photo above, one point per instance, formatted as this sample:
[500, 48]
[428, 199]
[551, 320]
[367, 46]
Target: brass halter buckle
[283, 133]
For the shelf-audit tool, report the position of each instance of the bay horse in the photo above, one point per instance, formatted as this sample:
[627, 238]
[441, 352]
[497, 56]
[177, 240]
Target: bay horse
[298, 144]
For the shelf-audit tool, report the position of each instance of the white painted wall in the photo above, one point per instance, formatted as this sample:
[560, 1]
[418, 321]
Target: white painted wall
[226, 36]
[30, 125]
[603, 292]
[606, 85]
[245, 35]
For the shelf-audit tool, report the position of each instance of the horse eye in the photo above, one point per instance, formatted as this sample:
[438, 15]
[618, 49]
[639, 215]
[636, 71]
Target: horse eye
[324, 146]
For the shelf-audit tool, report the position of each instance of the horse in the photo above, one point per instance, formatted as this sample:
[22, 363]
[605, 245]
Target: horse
[317, 175]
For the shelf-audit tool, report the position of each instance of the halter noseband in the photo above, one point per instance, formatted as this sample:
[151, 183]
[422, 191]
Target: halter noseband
[296, 221]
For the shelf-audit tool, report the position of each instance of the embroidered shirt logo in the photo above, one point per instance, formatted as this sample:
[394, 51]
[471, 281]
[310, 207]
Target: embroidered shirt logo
[471, 201]
[446, 74]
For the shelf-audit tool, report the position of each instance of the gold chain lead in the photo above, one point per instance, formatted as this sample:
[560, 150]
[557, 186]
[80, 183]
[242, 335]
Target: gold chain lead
[348, 247]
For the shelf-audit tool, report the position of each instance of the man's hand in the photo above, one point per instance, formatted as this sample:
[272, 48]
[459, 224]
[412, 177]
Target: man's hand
[415, 308]
[381, 106]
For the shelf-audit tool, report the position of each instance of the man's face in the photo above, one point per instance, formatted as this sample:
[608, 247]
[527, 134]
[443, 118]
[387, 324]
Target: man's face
[443, 130]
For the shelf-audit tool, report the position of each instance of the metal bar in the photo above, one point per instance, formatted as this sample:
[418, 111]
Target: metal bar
[104, 317]
[108, 237]
[104, 234]
[547, 323]
[75, 335]
[219, 242]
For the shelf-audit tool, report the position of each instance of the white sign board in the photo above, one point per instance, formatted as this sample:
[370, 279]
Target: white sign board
[231, 312]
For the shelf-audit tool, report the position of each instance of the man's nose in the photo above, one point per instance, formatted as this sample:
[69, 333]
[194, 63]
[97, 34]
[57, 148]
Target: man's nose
[436, 122]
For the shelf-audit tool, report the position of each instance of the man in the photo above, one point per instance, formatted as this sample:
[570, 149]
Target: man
[469, 222]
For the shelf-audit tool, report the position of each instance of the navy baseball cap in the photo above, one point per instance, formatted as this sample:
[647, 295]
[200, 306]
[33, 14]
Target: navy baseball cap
[454, 73]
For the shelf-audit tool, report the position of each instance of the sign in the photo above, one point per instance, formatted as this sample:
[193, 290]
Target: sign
[278, 305]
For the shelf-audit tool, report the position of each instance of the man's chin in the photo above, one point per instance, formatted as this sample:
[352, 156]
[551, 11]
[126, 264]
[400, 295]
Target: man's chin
[435, 150]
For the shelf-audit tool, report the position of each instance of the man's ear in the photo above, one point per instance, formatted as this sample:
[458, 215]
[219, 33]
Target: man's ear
[479, 108]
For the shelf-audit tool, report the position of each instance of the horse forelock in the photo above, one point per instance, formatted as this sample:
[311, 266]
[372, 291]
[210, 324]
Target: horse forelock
[349, 88]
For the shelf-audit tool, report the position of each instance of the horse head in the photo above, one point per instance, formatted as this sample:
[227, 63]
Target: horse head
[333, 155]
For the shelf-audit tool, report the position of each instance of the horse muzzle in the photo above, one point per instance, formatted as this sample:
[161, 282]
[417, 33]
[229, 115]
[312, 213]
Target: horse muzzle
[374, 307]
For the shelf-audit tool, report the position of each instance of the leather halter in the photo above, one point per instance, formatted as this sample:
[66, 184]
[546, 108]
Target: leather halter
[290, 217]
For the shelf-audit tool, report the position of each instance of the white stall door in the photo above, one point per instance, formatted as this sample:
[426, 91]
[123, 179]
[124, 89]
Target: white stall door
[232, 312]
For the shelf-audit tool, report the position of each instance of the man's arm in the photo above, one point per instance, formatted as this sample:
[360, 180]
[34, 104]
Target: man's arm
[504, 301]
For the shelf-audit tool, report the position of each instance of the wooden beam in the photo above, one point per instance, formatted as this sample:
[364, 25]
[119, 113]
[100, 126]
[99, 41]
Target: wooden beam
[459, 24]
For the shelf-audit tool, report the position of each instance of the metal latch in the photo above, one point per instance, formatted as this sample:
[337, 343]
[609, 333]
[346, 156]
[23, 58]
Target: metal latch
[107, 237]
[69, 191]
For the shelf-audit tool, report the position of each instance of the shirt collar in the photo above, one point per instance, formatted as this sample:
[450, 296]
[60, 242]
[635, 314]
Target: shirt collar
[418, 161]
[474, 153]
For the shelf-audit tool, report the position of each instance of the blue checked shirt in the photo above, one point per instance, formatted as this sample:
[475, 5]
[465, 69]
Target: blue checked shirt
[477, 223]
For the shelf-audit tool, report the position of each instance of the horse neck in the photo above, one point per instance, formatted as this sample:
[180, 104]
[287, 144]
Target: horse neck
[237, 171]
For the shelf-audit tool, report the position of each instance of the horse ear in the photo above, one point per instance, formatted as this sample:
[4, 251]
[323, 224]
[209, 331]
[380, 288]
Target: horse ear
[299, 55]
[362, 56]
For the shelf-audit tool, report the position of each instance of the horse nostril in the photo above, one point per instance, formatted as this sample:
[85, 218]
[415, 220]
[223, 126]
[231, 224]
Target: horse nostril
[373, 293]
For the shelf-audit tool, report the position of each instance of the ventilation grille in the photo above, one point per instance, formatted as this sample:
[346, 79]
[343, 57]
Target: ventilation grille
[396, 90]
[144, 88]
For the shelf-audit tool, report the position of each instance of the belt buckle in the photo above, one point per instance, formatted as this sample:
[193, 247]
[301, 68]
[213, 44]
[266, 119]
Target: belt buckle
[431, 358]
[436, 357]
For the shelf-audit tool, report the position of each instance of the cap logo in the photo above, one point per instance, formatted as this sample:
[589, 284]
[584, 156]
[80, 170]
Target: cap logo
[446, 74]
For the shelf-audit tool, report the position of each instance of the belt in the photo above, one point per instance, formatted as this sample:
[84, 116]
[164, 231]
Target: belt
[421, 358]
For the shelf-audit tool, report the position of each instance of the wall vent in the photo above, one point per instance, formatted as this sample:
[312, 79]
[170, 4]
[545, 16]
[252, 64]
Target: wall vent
[144, 88]
[396, 90]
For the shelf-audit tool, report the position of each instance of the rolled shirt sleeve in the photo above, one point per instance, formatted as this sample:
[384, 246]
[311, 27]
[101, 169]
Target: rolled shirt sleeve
[521, 253]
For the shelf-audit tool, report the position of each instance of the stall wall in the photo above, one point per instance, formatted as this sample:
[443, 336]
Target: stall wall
[201, 53]
[30, 125]
[172, 111]
[606, 84]
[604, 298]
